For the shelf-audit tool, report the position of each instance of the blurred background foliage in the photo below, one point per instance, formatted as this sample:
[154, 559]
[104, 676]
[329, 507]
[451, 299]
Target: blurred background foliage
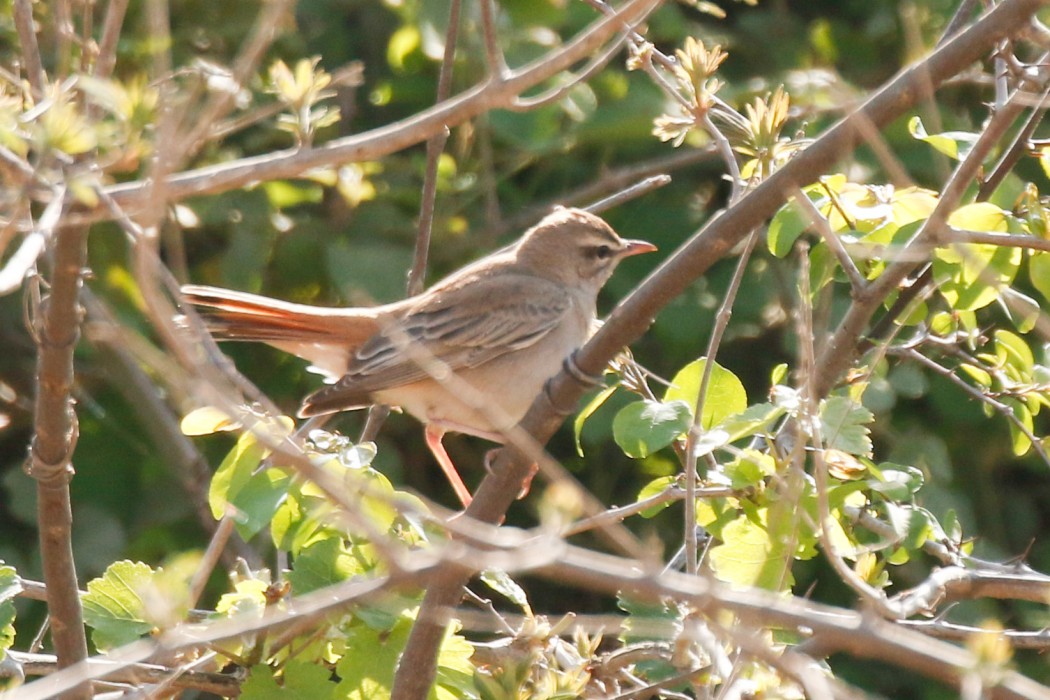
[351, 242]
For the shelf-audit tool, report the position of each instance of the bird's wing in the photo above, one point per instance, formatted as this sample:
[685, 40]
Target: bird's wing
[461, 328]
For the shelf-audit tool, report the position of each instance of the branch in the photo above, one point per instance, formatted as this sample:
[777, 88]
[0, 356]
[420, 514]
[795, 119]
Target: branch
[215, 683]
[23, 15]
[51, 452]
[374, 144]
[850, 632]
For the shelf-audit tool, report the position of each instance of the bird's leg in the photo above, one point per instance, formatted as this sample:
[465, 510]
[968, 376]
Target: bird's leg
[433, 437]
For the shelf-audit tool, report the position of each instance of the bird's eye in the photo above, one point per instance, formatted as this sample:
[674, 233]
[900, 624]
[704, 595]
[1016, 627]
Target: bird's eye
[602, 252]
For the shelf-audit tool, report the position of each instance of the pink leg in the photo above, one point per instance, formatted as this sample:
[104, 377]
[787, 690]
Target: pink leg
[433, 436]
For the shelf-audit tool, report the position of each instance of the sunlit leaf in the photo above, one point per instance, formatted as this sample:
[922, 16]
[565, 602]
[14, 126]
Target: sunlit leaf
[10, 587]
[324, 563]
[954, 144]
[785, 227]
[643, 427]
[1013, 351]
[1039, 273]
[1019, 441]
[749, 468]
[299, 679]
[654, 488]
[750, 555]
[115, 607]
[207, 420]
[587, 411]
[502, 583]
[845, 426]
[725, 395]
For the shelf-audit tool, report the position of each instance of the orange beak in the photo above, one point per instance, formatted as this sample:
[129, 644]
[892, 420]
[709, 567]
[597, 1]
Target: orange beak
[635, 247]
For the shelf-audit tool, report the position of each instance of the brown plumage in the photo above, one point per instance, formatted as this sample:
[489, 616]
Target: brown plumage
[502, 325]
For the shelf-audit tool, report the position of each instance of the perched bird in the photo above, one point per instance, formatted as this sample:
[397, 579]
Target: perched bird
[468, 355]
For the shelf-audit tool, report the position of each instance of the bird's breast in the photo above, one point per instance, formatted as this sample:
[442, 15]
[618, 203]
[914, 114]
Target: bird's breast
[492, 397]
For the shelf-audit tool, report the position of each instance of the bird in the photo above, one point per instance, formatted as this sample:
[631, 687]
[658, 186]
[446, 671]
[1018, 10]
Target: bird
[467, 355]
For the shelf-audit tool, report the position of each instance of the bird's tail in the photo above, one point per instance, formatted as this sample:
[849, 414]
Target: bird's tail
[324, 336]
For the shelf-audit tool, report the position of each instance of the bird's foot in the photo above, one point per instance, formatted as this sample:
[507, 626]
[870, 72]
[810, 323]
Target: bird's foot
[526, 484]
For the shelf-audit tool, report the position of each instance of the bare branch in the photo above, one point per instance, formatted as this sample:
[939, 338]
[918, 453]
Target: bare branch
[393, 137]
[51, 452]
[107, 48]
[23, 11]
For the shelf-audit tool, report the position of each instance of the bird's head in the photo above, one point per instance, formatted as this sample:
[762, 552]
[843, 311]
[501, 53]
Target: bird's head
[572, 246]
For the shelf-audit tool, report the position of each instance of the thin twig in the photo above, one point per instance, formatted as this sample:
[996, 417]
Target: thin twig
[1003, 240]
[817, 220]
[627, 194]
[1013, 153]
[34, 68]
[810, 418]
[107, 47]
[261, 36]
[496, 64]
[388, 139]
[668, 495]
[997, 406]
[842, 346]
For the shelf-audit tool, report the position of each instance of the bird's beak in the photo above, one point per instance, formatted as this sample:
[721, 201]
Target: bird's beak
[637, 248]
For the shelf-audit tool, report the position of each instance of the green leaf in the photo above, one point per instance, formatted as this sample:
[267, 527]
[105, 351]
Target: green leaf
[644, 618]
[257, 501]
[714, 514]
[587, 411]
[785, 227]
[1019, 440]
[969, 276]
[1039, 272]
[10, 587]
[654, 487]
[725, 393]
[844, 423]
[299, 679]
[895, 481]
[234, 472]
[982, 378]
[643, 427]
[238, 485]
[1022, 309]
[371, 656]
[324, 563]
[403, 43]
[752, 420]
[502, 583]
[283, 194]
[749, 468]
[247, 598]
[114, 606]
[954, 144]
[911, 525]
[750, 556]
[1013, 352]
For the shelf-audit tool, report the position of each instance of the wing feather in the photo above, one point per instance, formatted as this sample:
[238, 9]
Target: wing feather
[461, 328]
